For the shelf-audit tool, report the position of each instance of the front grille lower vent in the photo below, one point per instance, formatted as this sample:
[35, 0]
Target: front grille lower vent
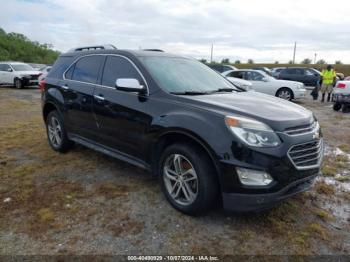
[306, 155]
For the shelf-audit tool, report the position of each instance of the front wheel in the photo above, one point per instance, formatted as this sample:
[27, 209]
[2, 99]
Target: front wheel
[285, 93]
[18, 83]
[188, 179]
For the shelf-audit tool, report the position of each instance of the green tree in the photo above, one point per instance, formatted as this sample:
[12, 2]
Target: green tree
[338, 62]
[321, 62]
[276, 62]
[18, 47]
[204, 61]
[225, 61]
[238, 62]
[250, 61]
[306, 61]
[290, 62]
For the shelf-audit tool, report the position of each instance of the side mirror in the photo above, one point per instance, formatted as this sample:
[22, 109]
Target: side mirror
[9, 70]
[129, 85]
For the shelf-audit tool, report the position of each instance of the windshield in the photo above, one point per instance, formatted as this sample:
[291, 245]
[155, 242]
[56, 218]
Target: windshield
[182, 75]
[22, 67]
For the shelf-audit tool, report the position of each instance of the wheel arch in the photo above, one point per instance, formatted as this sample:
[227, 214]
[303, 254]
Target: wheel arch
[177, 136]
[49, 107]
[285, 87]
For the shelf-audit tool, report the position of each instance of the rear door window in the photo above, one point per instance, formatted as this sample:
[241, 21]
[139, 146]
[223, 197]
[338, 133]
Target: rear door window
[4, 67]
[236, 74]
[118, 67]
[87, 69]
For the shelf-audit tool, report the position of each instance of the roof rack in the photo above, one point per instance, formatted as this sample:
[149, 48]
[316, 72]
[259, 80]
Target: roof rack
[88, 48]
[154, 50]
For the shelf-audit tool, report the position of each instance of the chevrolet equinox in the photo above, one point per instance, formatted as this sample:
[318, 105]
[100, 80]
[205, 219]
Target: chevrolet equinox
[209, 142]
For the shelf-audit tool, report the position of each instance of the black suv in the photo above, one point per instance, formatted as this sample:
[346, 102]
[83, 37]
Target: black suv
[308, 76]
[209, 142]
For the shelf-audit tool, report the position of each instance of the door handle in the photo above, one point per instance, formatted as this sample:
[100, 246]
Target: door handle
[65, 87]
[100, 98]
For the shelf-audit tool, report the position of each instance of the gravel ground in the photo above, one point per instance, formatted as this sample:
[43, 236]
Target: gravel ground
[83, 202]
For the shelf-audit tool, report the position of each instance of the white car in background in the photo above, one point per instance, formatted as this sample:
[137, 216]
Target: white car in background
[18, 74]
[263, 83]
[246, 85]
[341, 96]
[44, 71]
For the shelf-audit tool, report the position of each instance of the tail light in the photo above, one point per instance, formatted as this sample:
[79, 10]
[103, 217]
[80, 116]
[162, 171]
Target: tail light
[42, 85]
[341, 85]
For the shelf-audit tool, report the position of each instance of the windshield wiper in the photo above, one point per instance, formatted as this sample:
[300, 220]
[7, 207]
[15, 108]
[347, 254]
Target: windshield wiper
[223, 90]
[190, 93]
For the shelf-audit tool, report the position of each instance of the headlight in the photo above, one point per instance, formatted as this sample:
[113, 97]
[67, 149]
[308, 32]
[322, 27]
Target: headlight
[252, 132]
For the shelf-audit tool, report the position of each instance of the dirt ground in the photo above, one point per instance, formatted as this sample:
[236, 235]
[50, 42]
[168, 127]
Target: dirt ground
[83, 202]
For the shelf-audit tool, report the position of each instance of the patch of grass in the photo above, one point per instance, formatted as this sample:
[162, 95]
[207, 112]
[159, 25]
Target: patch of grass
[112, 190]
[46, 215]
[345, 178]
[323, 214]
[329, 170]
[323, 188]
[318, 230]
[341, 158]
[345, 148]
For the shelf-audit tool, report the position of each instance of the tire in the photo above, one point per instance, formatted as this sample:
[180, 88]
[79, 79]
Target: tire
[285, 93]
[201, 183]
[56, 133]
[18, 83]
[337, 106]
[345, 108]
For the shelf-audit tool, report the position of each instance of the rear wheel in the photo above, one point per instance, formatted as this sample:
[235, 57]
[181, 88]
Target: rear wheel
[188, 179]
[337, 106]
[56, 133]
[285, 93]
[18, 83]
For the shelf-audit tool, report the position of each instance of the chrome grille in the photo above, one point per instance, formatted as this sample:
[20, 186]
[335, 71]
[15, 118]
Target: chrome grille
[300, 130]
[306, 155]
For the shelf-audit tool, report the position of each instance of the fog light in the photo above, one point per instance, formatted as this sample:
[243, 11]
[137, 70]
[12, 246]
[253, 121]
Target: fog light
[252, 177]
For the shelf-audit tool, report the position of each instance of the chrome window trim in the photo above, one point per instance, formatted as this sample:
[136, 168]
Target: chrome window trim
[315, 129]
[320, 155]
[98, 85]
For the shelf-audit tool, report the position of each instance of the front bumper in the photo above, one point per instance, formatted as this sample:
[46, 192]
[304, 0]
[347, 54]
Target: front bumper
[27, 81]
[238, 202]
[300, 93]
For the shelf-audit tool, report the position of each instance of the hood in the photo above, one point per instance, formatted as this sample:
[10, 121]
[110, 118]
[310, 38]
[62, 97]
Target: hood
[288, 82]
[277, 113]
[28, 72]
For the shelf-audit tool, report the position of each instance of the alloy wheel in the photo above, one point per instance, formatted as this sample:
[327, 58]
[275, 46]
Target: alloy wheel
[180, 178]
[284, 94]
[55, 132]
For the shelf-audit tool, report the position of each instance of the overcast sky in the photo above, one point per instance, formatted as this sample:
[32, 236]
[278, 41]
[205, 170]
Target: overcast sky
[264, 30]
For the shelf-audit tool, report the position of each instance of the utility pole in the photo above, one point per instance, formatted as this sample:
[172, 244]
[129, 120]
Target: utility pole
[211, 53]
[295, 49]
[315, 58]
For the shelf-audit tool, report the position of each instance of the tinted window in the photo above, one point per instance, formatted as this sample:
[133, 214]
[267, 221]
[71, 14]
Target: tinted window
[4, 67]
[216, 67]
[87, 69]
[118, 67]
[69, 73]
[61, 65]
[237, 74]
[254, 76]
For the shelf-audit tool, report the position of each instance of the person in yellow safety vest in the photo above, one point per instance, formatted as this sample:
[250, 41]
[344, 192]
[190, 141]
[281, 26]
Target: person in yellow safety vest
[328, 78]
